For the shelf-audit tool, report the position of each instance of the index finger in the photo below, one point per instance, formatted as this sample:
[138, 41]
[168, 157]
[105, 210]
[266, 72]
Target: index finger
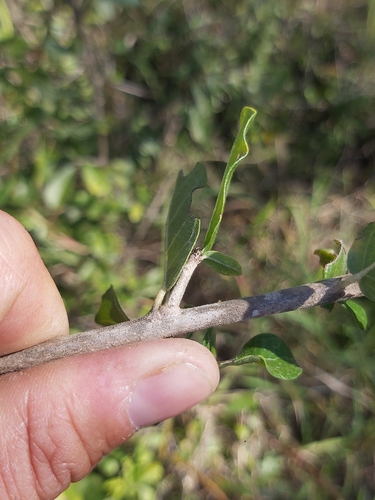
[31, 308]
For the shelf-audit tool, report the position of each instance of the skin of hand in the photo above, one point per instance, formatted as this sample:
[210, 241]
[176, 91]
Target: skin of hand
[57, 420]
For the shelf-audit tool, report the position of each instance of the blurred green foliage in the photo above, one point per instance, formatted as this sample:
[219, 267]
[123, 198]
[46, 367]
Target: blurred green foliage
[101, 104]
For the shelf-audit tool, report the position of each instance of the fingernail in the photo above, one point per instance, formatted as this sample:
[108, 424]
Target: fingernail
[167, 393]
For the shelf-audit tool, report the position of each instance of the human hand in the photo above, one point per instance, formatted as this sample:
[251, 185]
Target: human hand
[57, 420]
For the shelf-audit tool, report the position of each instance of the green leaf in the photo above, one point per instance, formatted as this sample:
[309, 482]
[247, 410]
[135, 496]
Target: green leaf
[326, 255]
[209, 340]
[182, 229]
[358, 312]
[338, 266]
[334, 264]
[6, 23]
[55, 192]
[96, 180]
[362, 255]
[110, 311]
[239, 151]
[222, 264]
[270, 351]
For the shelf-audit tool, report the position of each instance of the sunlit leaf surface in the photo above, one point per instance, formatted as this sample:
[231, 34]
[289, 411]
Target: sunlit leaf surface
[359, 313]
[270, 351]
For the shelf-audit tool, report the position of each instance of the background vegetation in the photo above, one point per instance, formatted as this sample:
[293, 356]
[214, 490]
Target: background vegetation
[102, 102]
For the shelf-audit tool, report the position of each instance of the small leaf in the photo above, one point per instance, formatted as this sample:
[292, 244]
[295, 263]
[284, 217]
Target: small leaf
[362, 255]
[239, 151]
[110, 311]
[270, 351]
[209, 340]
[334, 264]
[58, 187]
[326, 255]
[6, 23]
[338, 266]
[358, 312]
[182, 229]
[96, 180]
[222, 264]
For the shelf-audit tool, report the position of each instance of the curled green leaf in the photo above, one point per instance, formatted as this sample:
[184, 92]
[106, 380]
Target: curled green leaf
[239, 151]
[110, 312]
[334, 263]
[326, 255]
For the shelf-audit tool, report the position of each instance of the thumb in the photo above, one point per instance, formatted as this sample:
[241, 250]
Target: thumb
[59, 419]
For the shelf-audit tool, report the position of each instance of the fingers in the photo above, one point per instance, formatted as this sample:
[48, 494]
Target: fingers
[57, 420]
[61, 418]
[31, 309]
